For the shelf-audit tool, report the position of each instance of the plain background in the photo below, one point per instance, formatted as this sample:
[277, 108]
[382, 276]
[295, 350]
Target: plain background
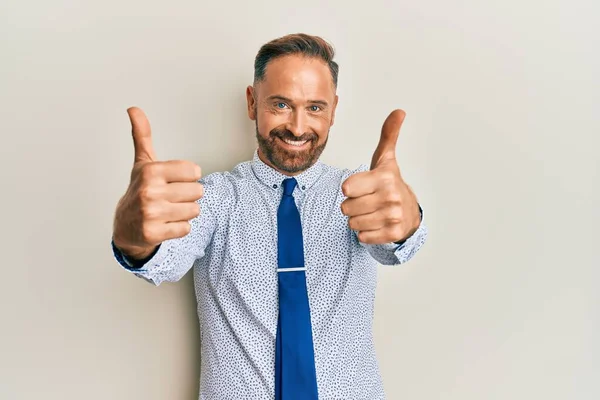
[500, 144]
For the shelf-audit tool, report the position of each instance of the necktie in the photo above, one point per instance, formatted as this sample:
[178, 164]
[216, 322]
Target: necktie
[295, 375]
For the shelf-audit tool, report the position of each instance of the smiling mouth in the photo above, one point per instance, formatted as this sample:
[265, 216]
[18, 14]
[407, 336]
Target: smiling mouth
[294, 143]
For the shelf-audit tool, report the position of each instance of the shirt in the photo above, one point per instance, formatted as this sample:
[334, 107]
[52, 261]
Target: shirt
[232, 249]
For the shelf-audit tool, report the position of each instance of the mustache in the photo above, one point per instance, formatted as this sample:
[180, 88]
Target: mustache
[286, 134]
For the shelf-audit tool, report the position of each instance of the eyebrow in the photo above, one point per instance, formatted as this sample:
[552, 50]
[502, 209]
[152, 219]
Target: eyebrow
[279, 97]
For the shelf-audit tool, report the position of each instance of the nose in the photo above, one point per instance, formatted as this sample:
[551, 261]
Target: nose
[297, 123]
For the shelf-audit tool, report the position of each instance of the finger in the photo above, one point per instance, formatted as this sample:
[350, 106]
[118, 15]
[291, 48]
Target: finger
[142, 135]
[378, 236]
[360, 184]
[175, 212]
[360, 205]
[184, 192]
[367, 222]
[386, 149]
[178, 171]
[174, 230]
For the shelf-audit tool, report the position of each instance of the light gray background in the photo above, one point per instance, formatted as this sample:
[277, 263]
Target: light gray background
[500, 144]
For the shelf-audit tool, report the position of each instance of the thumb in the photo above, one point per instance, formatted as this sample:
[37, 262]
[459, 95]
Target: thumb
[142, 135]
[386, 149]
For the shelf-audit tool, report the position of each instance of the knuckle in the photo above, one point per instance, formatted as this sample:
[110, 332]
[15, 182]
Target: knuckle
[150, 171]
[394, 213]
[390, 198]
[387, 177]
[148, 235]
[149, 211]
[148, 193]
[399, 212]
[394, 196]
[191, 168]
[397, 232]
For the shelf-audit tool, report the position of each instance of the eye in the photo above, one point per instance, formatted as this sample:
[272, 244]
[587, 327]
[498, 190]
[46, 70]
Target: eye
[314, 108]
[281, 105]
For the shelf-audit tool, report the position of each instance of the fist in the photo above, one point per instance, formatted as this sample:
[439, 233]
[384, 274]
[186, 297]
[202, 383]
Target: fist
[161, 198]
[381, 207]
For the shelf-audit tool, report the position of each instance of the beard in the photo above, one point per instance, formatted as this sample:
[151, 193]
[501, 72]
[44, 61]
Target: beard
[287, 160]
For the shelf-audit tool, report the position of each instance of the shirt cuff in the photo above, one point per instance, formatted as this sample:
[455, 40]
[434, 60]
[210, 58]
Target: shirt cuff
[141, 268]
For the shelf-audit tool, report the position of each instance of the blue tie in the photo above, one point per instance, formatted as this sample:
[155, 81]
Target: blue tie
[295, 375]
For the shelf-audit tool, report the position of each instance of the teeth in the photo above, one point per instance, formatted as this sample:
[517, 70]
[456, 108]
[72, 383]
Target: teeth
[295, 142]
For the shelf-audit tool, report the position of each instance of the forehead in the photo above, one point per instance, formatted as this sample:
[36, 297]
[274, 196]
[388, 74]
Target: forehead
[297, 77]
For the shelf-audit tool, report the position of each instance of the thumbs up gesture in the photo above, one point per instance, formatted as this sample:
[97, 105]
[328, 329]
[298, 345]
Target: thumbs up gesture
[379, 204]
[161, 197]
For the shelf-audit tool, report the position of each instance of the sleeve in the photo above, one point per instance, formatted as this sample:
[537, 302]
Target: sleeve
[175, 257]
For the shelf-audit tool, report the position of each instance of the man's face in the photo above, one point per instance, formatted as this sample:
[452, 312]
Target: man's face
[294, 107]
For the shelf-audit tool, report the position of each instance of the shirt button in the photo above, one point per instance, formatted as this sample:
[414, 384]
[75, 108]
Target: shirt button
[275, 186]
[303, 187]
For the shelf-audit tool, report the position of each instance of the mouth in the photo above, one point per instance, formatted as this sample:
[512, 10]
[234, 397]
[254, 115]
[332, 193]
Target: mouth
[294, 144]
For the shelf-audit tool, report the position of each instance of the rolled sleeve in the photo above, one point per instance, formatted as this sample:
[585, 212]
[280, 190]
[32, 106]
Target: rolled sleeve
[396, 254]
[148, 269]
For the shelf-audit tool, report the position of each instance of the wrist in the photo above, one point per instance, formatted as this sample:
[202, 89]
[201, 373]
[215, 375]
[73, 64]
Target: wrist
[135, 253]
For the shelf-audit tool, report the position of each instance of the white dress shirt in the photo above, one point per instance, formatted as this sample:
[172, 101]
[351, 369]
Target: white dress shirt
[232, 249]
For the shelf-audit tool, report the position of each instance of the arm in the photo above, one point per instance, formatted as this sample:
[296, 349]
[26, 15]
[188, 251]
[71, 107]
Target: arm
[173, 258]
[129, 262]
[159, 230]
[383, 210]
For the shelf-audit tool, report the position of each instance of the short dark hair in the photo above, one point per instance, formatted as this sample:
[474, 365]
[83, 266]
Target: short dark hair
[297, 43]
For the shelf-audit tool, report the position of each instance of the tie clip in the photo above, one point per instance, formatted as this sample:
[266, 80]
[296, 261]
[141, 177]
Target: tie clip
[291, 269]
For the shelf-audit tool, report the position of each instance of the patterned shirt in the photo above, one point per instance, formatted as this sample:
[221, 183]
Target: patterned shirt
[232, 249]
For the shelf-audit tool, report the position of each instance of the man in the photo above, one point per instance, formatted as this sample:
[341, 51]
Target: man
[284, 248]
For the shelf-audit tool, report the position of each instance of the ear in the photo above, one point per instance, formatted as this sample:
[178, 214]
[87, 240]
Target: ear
[251, 101]
[335, 103]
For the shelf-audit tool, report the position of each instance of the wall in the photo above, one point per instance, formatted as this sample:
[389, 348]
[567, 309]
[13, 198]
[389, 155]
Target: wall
[500, 144]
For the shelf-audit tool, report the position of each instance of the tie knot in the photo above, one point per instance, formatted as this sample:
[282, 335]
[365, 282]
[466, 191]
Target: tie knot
[288, 186]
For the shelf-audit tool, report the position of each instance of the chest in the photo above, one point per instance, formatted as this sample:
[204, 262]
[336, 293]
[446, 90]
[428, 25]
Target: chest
[251, 225]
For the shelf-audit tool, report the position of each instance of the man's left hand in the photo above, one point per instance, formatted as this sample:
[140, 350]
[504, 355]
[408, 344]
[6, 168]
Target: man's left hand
[381, 206]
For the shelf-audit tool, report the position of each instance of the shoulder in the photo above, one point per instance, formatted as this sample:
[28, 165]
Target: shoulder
[226, 178]
[220, 186]
[339, 175]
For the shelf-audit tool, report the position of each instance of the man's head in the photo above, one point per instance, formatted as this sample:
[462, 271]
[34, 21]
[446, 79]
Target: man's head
[293, 99]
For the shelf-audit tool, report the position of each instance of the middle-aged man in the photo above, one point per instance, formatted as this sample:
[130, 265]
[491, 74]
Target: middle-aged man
[284, 248]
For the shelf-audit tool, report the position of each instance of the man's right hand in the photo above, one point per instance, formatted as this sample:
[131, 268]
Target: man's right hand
[161, 197]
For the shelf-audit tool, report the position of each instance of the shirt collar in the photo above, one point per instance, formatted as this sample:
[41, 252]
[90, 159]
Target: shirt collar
[273, 178]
